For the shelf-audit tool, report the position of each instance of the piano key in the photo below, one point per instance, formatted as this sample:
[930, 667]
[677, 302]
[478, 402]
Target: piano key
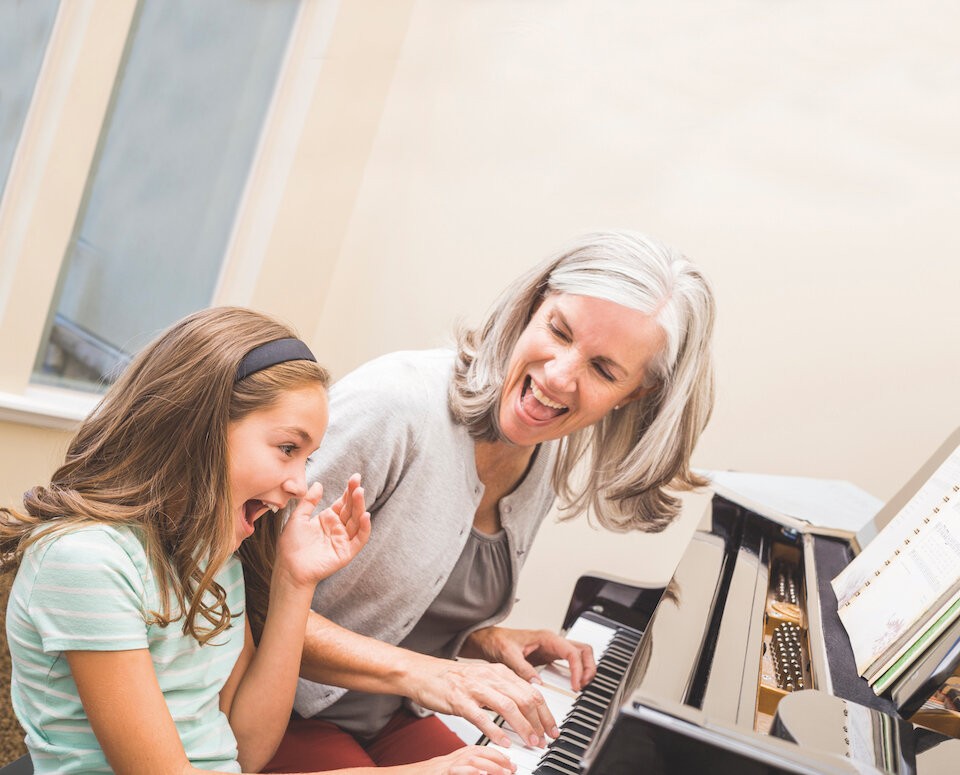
[520, 754]
[594, 634]
[582, 713]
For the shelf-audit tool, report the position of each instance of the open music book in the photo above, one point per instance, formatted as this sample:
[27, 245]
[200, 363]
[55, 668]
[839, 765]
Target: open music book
[903, 589]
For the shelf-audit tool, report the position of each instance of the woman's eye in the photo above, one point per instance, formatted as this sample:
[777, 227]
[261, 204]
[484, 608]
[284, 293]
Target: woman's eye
[603, 372]
[561, 335]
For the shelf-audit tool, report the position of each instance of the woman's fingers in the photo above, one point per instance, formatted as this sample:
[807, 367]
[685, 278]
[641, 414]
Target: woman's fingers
[472, 687]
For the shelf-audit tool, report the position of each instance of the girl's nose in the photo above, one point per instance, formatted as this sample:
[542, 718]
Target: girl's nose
[296, 485]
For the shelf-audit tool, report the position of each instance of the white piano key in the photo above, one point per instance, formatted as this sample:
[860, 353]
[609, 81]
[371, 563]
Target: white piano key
[469, 733]
[593, 633]
[596, 635]
[556, 675]
[520, 754]
[556, 690]
[559, 698]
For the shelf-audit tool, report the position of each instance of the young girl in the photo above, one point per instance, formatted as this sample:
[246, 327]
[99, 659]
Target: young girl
[126, 623]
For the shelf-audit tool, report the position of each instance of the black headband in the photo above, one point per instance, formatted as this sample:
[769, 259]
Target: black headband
[272, 353]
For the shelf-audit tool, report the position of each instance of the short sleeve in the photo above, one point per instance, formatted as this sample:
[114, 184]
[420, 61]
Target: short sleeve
[88, 592]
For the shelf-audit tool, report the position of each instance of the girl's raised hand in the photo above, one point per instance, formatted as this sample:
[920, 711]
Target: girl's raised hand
[313, 547]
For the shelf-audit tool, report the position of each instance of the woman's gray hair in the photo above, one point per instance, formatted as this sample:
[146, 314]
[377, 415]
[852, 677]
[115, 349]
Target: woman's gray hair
[644, 446]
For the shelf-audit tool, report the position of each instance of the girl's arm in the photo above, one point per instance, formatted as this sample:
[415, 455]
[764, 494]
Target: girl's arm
[128, 714]
[123, 701]
[258, 696]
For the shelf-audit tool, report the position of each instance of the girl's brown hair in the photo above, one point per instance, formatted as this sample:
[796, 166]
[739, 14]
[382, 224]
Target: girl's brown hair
[153, 455]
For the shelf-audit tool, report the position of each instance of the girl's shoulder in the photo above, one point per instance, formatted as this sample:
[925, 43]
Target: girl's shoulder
[119, 546]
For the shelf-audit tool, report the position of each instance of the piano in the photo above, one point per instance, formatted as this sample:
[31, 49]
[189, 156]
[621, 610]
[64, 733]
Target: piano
[741, 665]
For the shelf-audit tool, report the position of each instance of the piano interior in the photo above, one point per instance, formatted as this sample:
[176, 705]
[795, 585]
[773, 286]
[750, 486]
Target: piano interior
[785, 655]
[741, 665]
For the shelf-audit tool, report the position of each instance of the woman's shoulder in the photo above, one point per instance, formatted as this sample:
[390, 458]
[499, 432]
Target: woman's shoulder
[405, 375]
[410, 363]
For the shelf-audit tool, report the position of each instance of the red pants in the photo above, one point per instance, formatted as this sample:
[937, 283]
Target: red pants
[311, 745]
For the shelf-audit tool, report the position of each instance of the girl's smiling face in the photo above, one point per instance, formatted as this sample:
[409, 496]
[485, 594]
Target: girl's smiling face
[577, 359]
[267, 452]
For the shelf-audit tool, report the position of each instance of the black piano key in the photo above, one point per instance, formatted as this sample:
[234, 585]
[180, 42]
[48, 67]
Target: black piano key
[556, 769]
[559, 756]
[572, 734]
[587, 715]
[582, 729]
[564, 755]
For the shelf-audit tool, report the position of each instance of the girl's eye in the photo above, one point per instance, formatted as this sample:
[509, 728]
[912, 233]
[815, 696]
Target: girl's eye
[288, 449]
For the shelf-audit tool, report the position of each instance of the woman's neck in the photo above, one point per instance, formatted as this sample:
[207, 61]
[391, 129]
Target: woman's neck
[501, 467]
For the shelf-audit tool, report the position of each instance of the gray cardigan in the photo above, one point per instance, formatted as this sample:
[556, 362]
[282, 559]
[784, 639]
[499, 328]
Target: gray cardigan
[389, 421]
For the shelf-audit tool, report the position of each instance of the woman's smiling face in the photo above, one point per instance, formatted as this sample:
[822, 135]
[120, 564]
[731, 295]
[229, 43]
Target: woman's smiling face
[577, 359]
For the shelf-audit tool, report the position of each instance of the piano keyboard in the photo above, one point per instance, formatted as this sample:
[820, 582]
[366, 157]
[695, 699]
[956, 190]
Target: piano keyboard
[582, 714]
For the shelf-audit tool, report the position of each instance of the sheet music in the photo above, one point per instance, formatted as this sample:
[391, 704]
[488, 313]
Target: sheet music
[910, 517]
[887, 595]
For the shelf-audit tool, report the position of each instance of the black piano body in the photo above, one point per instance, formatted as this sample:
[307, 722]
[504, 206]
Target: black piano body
[741, 665]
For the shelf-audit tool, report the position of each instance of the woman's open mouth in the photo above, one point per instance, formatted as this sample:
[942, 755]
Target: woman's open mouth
[536, 404]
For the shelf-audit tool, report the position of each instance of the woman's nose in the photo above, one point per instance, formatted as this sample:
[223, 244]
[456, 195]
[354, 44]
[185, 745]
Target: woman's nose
[561, 372]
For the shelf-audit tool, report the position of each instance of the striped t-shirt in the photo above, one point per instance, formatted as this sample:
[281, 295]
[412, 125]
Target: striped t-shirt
[92, 589]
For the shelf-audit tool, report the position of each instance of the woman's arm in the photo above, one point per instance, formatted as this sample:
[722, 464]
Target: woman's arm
[337, 656]
[123, 701]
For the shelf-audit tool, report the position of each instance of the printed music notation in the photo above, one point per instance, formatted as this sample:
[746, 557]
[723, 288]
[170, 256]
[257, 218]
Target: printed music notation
[908, 578]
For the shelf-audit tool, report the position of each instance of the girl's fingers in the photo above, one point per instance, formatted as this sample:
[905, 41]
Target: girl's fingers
[310, 501]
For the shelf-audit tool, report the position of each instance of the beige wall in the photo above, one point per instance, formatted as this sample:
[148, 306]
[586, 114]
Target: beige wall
[30, 455]
[804, 154]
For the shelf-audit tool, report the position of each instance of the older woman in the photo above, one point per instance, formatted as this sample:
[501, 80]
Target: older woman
[597, 360]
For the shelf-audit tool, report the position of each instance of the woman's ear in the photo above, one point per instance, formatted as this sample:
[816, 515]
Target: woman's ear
[636, 395]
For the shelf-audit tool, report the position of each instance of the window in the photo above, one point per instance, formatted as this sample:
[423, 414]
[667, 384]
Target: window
[160, 203]
[261, 117]
[25, 27]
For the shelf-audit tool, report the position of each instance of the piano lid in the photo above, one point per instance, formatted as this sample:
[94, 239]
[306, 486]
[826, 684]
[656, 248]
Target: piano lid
[821, 506]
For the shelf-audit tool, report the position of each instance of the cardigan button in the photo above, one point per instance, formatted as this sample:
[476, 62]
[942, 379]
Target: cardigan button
[506, 509]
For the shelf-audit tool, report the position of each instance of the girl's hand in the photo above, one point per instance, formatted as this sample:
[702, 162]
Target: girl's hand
[313, 547]
[472, 760]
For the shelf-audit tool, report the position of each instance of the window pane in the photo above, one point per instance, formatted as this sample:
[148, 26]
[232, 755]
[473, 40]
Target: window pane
[25, 27]
[174, 157]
